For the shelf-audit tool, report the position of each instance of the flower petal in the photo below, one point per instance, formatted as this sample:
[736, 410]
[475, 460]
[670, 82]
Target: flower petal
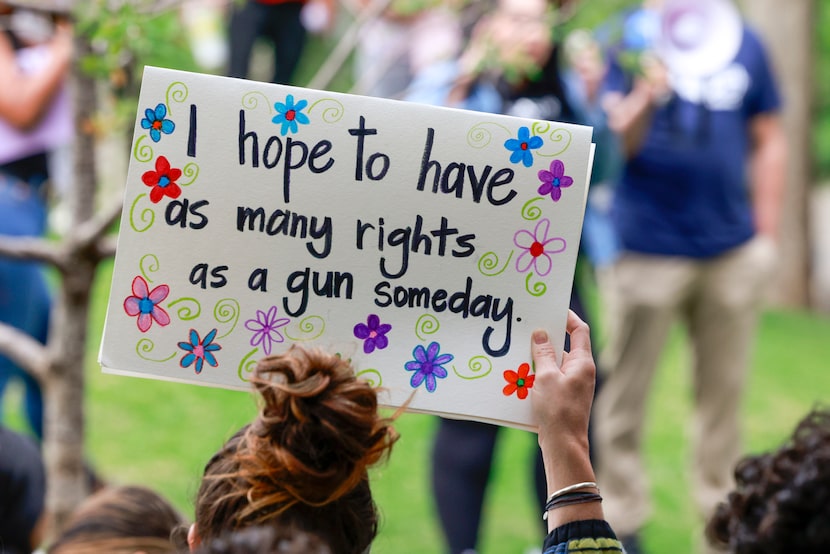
[432, 351]
[516, 156]
[524, 239]
[545, 188]
[368, 346]
[543, 264]
[555, 194]
[509, 389]
[372, 322]
[511, 376]
[557, 168]
[524, 369]
[144, 322]
[420, 354]
[521, 392]
[412, 365]
[167, 126]
[187, 360]
[172, 190]
[417, 379]
[527, 158]
[156, 194]
[160, 315]
[524, 261]
[149, 116]
[210, 336]
[430, 379]
[443, 359]
[301, 118]
[383, 328]
[439, 371]
[535, 142]
[541, 230]
[140, 287]
[150, 178]
[524, 134]
[271, 316]
[301, 104]
[155, 134]
[199, 363]
[513, 144]
[361, 331]
[194, 337]
[381, 342]
[545, 176]
[159, 293]
[529, 380]
[211, 359]
[566, 181]
[132, 305]
[162, 165]
[161, 111]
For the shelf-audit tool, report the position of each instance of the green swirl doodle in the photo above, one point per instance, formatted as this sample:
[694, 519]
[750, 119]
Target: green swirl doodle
[531, 212]
[147, 267]
[250, 101]
[178, 92]
[427, 324]
[247, 366]
[540, 127]
[476, 364]
[307, 329]
[146, 346]
[331, 114]
[538, 288]
[227, 311]
[142, 153]
[371, 376]
[479, 136]
[189, 311]
[191, 171]
[488, 264]
[561, 136]
[148, 216]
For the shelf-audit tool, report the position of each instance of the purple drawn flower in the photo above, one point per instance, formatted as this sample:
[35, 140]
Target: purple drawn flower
[373, 334]
[144, 303]
[536, 250]
[266, 329]
[521, 147]
[554, 181]
[199, 350]
[428, 366]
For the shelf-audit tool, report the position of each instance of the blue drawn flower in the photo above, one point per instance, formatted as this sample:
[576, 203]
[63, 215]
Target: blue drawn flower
[199, 351]
[156, 121]
[266, 328]
[521, 147]
[554, 181]
[373, 334]
[428, 366]
[289, 114]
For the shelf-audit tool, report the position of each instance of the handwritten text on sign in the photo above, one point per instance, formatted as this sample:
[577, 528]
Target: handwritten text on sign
[423, 243]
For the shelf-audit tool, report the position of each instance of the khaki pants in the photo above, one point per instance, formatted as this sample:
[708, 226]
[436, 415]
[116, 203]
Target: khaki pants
[717, 300]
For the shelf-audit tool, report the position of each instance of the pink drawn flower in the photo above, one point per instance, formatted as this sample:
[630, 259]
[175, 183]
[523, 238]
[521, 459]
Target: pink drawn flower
[554, 181]
[144, 303]
[537, 248]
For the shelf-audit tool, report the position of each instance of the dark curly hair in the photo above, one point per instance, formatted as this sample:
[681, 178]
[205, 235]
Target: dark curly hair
[303, 462]
[782, 499]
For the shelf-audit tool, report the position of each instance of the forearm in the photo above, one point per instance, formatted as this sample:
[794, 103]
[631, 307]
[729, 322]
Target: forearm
[567, 463]
[768, 175]
[630, 117]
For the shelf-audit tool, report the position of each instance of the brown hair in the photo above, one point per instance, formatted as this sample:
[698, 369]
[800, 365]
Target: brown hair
[303, 461]
[265, 540]
[782, 499]
[120, 520]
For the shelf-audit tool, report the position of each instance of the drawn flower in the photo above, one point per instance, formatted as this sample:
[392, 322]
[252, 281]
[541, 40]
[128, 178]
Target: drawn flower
[373, 334]
[144, 303]
[521, 147]
[163, 180]
[266, 328]
[519, 382]
[536, 248]
[156, 120]
[554, 181]
[199, 351]
[289, 114]
[428, 366]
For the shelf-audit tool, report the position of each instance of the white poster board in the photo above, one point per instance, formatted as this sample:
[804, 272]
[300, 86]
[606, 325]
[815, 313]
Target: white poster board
[425, 244]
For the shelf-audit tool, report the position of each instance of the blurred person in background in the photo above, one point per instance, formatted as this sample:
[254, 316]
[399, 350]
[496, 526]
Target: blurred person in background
[697, 212]
[35, 54]
[512, 66]
[283, 23]
[22, 493]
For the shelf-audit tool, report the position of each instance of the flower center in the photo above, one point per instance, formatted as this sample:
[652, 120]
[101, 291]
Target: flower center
[520, 383]
[199, 351]
[556, 181]
[163, 181]
[537, 249]
[372, 334]
[157, 124]
[523, 146]
[146, 305]
[290, 115]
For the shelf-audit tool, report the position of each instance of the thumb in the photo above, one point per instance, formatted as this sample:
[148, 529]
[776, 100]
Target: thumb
[543, 352]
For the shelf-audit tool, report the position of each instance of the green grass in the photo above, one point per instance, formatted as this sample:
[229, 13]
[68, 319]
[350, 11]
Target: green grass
[161, 434]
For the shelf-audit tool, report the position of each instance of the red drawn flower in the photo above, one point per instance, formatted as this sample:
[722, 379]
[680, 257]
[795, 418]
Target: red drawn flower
[519, 382]
[163, 180]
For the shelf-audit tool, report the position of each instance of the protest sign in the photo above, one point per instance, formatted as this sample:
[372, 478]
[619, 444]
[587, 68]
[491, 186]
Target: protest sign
[424, 244]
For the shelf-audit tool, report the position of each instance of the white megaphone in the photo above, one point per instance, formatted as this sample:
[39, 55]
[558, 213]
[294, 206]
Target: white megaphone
[698, 38]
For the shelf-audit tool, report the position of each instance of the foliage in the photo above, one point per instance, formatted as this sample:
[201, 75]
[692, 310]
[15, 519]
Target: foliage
[821, 131]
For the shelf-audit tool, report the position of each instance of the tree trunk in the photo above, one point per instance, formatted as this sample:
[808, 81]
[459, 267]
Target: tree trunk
[788, 32]
[64, 385]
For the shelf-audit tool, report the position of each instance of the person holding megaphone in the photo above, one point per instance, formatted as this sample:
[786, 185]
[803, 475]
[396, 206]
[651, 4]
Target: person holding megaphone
[697, 211]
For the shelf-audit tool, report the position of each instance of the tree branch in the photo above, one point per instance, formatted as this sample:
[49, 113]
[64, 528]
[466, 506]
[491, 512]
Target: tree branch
[30, 248]
[93, 231]
[25, 351]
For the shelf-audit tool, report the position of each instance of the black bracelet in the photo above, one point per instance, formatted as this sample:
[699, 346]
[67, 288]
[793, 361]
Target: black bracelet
[569, 499]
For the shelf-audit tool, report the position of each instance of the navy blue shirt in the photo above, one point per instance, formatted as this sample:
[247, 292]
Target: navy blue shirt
[685, 193]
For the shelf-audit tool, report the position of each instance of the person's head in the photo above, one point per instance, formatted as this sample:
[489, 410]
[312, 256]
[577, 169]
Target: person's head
[120, 520]
[265, 540]
[302, 463]
[781, 502]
